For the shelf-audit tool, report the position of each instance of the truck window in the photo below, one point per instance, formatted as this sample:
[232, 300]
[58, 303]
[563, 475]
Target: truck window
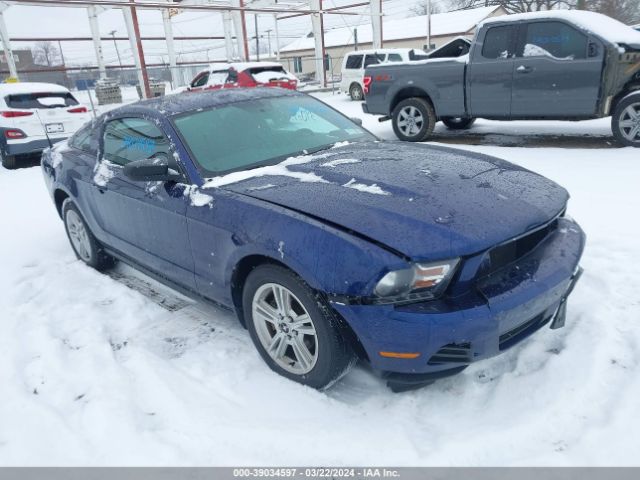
[554, 39]
[499, 42]
[354, 62]
[394, 57]
[371, 60]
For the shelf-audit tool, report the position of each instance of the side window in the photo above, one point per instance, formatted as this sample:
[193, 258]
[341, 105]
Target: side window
[394, 57]
[130, 139]
[85, 139]
[233, 76]
[354, 62]
[371, 60]
[554, 39]
[201, 80]
[498, 42]
[218, 77]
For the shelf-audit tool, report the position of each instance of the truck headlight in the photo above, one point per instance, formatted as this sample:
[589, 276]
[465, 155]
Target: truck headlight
[421, 281]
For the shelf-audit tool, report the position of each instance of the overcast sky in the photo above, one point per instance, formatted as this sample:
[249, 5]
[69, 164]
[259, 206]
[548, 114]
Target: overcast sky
[29, 21]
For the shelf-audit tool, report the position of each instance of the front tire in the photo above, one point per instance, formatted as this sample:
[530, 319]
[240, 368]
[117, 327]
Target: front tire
[625, 121]
[295, 331]
[9, 162]
[356, 93]
[84, 244]
[413, 119]
[458, 123]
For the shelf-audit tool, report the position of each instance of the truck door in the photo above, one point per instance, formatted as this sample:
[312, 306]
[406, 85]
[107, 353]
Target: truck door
[557, 72]
[490, 73]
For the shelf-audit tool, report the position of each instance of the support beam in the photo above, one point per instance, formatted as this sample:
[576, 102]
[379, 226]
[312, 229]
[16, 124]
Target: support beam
[168, 33]
[227, 23]
[128, 20]
[240, 27]
[318, 36]
[139, 52]
[6, 43]
[275, 21]
[376, 23]
[92, 11]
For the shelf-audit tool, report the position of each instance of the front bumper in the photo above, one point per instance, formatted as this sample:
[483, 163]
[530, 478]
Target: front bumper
[501, 310]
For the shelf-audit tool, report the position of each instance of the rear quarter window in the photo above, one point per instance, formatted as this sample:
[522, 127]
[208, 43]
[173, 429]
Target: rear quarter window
[85, 139]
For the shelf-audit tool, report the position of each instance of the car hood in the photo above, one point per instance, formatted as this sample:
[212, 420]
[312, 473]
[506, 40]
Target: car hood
[425, 202]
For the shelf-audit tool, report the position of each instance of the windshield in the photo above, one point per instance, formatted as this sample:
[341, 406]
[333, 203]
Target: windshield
[40, 100]
[259, 132]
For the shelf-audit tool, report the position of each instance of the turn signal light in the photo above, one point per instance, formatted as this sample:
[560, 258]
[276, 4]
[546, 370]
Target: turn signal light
[399, 355]
[366, 81]
[78, 110]
[15, 113]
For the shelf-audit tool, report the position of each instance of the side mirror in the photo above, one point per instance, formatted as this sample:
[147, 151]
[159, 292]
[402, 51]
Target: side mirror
[356, 120]
[154, 169]
[592, 50]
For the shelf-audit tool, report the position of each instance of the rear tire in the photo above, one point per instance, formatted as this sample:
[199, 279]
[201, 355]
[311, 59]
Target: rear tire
[84, 244]
[296, 332]
[413, 119]
[356, 93]
[9, 162]
[625, 121]
[458, 123]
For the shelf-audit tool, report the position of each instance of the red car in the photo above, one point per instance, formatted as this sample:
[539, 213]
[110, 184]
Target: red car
[250, 74]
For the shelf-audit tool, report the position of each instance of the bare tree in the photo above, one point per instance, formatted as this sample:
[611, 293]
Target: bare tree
[46, 53]
[627, 11]
[421, 8]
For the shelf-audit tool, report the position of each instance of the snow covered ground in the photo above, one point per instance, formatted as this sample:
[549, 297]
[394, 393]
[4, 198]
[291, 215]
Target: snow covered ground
[94, 373]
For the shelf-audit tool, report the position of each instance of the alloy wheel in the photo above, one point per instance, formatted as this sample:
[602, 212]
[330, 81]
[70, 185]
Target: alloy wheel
[285, 328]
[630, 122]
[410, 121]
[78, 235]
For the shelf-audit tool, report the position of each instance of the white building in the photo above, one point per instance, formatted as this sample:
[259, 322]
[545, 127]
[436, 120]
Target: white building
[298, 56]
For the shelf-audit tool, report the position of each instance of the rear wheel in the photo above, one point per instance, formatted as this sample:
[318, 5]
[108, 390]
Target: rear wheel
[295, 331]
[9, 161]
[355, 92]
[625, 121]
[84, 244]
[458, 123]
[413, 119]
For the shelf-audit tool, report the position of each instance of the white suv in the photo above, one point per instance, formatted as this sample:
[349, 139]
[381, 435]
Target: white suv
[34, 116]
[355, 63]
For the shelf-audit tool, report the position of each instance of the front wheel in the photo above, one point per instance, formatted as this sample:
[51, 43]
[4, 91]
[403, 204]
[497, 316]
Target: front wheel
[413, 119]
[625, 121]
[458, 123]
[295, 331]
[84, 244]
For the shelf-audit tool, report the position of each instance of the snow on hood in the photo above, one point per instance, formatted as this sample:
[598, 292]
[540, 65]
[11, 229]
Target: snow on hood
[601, 25]
[427, 202]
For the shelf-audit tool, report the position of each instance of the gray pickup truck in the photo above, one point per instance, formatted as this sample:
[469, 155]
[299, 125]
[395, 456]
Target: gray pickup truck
[560, 65]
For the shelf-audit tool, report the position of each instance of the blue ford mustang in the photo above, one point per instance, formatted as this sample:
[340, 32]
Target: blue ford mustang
[328, 243]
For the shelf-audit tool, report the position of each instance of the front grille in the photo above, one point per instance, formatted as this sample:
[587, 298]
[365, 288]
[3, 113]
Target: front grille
[452, 353]
[515, 335]
[507, 253]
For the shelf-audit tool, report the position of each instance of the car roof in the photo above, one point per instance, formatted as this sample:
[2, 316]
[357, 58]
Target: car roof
[176, 104]
[239, 66]
[31, 87]
[380, 50]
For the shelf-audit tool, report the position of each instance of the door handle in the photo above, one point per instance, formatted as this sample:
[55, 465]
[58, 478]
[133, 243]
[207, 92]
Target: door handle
[524, 69]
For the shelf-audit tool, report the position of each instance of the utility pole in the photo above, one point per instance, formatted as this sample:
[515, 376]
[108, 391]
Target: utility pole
[428, 25]
[255, 22]
[143, 65]
[275, 21]
[269, 41]
[115, 44]
[355, 39]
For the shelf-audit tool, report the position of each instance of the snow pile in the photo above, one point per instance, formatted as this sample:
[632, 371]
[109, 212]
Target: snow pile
[56, 153]
[375, 189]
[340, 161]
[197, 198]
[104, 171]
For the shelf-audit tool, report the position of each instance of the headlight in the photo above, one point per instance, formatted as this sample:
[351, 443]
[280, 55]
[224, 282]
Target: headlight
[421, 281]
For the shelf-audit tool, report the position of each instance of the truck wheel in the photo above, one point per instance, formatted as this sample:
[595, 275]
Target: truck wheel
[413, 119]
[458, 123]
[625, 122]
[296, 333]
[9, 161]
[355, 92]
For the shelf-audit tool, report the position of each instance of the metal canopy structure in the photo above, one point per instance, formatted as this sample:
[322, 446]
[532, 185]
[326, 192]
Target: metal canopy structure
[234, 26]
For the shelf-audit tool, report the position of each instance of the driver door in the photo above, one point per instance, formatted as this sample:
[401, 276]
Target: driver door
[145, 221]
